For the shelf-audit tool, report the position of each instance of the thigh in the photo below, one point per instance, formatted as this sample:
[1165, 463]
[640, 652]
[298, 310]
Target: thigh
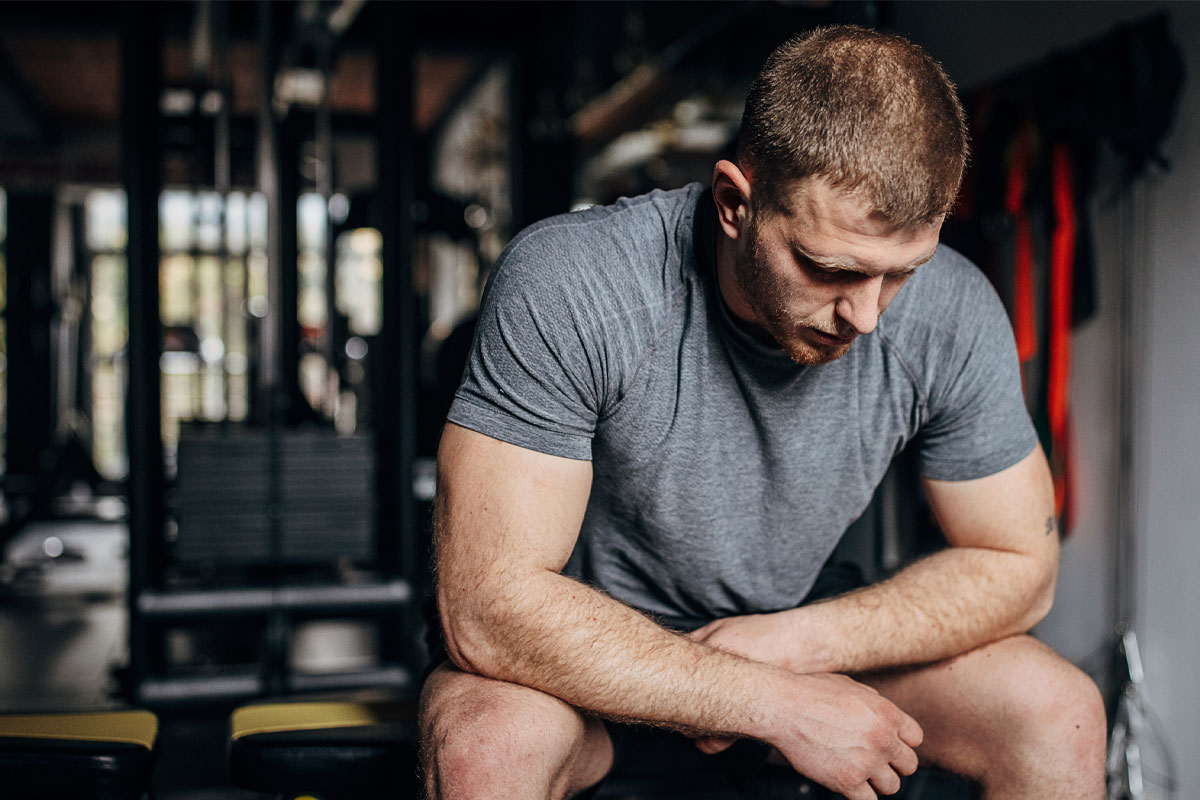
[478, 729]
[992, 703]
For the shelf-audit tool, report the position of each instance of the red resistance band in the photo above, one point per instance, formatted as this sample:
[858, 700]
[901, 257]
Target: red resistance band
[1062, 263]
[1024, 327]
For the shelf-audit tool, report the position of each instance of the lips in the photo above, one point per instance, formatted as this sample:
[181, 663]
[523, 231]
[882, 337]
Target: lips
[830, 339]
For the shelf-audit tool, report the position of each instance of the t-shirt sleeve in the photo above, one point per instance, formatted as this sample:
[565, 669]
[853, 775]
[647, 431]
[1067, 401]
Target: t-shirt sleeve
[531, 377]
[977, 423]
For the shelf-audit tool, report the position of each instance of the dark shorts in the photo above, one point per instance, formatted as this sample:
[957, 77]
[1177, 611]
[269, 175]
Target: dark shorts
[643, 755]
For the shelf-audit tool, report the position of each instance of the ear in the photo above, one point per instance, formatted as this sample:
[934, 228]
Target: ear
[731, 192]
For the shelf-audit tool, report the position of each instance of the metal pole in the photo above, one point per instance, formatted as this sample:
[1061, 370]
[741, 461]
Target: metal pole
[30, 318]
[141, 166]
[273, 389]
[395, 414]
[323, 145]
[268, 184]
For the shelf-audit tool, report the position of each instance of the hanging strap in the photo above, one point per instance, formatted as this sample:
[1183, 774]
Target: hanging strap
[1062, 262]
[1024, 326]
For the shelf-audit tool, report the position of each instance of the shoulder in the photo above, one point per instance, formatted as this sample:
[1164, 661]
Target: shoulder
[604, 267]
[621, 241]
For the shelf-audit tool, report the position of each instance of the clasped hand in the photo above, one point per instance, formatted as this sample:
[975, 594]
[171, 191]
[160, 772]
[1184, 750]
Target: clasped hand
[832, 729]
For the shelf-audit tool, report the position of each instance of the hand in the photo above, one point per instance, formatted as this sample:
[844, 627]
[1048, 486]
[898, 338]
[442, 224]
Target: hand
[845, 736]
[757, 637]
[769, 638]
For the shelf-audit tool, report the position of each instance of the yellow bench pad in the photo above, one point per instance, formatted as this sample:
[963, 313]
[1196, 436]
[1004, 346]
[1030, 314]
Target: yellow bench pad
[280, 717]
[127, 727]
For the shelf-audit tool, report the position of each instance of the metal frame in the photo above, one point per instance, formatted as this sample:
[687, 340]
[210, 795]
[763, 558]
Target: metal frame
[141, 167]
[152, 604]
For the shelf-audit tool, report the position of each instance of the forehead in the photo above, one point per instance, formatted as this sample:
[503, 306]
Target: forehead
[833, 225]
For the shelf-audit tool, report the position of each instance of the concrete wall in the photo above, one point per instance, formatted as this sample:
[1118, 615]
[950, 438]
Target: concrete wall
[978, 41]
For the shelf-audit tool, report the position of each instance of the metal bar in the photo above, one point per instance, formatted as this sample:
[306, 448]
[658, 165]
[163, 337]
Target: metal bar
[141, 166]
[275, 168]
[384, 677]
[323, 145]
[610, 112]
[29, 315]
[161, 691]
[332, 600]
[393, 139]
[238, 686]
[400, 539]
[268, 185]
[292, 405]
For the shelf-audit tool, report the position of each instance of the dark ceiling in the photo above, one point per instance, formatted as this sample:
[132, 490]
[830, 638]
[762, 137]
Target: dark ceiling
[606, 67]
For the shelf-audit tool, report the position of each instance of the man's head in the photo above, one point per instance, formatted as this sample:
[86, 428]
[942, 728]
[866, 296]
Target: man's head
[870, 113]
[852, 150]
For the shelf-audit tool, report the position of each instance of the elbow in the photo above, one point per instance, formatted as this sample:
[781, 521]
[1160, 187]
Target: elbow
[1041, 595]
[469, 638]
[464, 645]
[1040, 608]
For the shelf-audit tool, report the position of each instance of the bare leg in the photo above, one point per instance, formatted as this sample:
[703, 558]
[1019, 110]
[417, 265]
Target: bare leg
[484, 739]
[1013, 715]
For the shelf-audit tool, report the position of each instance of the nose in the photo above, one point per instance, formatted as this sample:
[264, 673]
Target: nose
[860, 306]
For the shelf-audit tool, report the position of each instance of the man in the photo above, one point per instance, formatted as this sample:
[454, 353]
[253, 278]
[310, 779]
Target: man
[671, 414]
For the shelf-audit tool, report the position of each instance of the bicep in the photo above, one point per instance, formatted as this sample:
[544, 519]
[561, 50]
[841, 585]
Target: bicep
[503, 509]
[1011, 510]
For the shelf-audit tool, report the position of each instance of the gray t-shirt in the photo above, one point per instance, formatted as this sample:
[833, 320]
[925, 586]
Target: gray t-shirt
[723, 473]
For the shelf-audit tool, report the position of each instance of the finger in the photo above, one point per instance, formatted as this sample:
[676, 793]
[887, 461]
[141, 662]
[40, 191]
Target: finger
[910, 731]
[886, 782]
[863, 792]
[713, 745]
[905, 761]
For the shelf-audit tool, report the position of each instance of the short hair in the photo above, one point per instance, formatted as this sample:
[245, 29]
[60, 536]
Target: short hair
[869, 112]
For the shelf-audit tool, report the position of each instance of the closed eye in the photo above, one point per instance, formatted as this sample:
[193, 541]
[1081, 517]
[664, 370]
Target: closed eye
[821, 272]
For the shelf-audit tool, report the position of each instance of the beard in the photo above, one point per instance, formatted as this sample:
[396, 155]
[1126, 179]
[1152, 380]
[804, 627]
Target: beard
[767, 295]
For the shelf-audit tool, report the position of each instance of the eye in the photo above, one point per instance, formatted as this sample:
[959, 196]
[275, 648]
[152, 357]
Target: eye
[818, 271]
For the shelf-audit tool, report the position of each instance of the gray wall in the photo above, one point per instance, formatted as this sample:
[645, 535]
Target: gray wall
[978, 41]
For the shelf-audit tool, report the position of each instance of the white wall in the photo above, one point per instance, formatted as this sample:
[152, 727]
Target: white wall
[978, 41]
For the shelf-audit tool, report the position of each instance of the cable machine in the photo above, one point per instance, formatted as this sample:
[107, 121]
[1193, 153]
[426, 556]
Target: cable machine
[280, 520]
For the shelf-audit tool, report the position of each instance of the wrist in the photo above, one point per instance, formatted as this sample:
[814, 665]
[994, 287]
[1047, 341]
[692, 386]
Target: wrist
[809, 647]
[773, 684]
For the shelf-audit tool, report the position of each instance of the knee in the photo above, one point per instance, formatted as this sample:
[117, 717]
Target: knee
[1065, 708]
[473, 748]
[1053, 715]
[463, 749]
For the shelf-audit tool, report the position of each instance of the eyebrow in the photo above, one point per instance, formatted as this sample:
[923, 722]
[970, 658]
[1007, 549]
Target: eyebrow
[833, 263]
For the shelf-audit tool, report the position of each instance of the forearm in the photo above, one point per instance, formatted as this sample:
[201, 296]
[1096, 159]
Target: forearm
[943, 605]
[564, 638]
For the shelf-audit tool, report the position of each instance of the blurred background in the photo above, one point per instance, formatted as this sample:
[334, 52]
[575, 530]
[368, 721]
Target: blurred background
[241, 249]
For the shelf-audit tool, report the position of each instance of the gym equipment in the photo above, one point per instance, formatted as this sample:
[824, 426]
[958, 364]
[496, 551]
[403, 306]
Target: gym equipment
[105, 755]
[324, 498]
[327, 749]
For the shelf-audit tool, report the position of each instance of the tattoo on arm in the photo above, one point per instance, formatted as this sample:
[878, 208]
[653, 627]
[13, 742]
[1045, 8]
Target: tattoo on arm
[1051, 525]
